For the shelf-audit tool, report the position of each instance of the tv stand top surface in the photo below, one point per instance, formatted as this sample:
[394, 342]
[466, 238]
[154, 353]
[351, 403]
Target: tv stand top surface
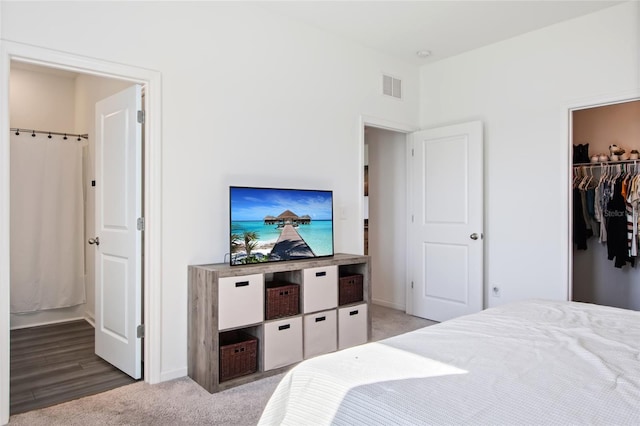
[224, 269]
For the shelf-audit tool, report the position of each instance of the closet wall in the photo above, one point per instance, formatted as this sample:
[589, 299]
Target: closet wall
[595, 279]
[55, 100]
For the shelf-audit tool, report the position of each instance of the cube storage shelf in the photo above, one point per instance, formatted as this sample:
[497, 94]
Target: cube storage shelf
[230, 339]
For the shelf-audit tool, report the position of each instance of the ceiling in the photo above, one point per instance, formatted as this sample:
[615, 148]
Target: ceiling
[445, 28]
[401, 28]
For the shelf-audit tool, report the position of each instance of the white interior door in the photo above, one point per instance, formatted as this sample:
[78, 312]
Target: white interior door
[118, 241]
[445, 237]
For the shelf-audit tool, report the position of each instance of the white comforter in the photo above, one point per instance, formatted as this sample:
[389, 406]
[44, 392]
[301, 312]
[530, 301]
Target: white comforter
[535, 362]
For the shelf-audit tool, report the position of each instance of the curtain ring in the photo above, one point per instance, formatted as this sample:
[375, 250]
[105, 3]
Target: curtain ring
[17, 132]
[65, 137]
[49, 135]
[33, 133]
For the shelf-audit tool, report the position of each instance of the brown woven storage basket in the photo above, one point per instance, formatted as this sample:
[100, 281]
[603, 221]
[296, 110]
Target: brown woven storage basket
[350, 289]
[238, 354]
[282, 299]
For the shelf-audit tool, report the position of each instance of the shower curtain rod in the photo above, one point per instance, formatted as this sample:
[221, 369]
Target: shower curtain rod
[17, 130]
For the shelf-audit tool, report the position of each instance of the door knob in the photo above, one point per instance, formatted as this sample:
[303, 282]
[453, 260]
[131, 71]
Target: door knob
[95, 241]
[475, 236]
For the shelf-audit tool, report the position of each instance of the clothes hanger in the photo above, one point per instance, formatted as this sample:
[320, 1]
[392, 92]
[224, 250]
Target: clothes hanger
[610, 176]
[603, 175]
[577, 176]
[591, 179]
[585, 181]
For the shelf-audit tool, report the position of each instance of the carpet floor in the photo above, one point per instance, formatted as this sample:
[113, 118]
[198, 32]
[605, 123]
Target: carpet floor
[182, 401]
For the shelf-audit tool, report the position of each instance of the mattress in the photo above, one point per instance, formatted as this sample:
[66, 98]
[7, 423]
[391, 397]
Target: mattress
[534, 362]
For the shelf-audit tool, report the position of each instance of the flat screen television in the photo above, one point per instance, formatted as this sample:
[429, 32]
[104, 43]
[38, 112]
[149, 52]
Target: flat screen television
[276, 224]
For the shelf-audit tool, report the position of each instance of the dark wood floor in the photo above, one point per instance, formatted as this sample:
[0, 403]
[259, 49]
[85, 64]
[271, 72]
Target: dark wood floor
[56, 363]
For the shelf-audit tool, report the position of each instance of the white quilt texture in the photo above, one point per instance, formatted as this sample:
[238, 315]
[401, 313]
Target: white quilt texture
[527, 363]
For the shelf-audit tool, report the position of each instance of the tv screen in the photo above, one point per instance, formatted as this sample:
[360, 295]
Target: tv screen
[271, 224]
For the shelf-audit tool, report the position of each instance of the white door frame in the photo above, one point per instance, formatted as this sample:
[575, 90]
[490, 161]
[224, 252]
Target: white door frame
[380, 123]
[151, 80]
[587, 103]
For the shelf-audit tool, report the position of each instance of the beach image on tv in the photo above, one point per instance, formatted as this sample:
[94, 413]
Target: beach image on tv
[269, 225]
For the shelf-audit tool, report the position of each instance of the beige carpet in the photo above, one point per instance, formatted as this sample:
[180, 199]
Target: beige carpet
[182, 401]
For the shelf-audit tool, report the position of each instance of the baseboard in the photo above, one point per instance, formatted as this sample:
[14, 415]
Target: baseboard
[173, 374]
[38, 324]
[386, 304]
[90, 319]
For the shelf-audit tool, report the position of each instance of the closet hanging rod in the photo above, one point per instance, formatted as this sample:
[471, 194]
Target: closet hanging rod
[84, 136]
[606, 163]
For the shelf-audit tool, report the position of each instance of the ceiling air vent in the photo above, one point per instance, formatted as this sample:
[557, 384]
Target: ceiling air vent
[392, 86]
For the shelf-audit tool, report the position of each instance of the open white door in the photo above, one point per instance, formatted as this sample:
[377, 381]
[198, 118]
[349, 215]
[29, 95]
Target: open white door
[445, 237]
[118, 241]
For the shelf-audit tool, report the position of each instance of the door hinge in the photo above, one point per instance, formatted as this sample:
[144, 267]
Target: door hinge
[411, 284]
[141, 224]
[411, 218]
[412, 152]
[140, 331]
[141, 117]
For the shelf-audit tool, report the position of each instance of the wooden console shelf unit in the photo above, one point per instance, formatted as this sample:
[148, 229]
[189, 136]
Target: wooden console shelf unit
[224, 298]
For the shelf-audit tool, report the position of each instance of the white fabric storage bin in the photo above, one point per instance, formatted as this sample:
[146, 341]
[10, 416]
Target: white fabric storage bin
[320, 288]
[320, 333]
[240, 301]
[352, 326]
[282, 342]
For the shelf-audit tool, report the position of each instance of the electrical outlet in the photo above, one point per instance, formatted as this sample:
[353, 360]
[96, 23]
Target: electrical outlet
[496, 291]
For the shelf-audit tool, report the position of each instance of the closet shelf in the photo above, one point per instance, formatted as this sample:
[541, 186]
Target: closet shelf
[606, 163]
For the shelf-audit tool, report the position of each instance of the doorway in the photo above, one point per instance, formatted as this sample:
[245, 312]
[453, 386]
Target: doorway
[385, 213]
[11, 51]
[596, 278]
[468, 179]
[53, 272]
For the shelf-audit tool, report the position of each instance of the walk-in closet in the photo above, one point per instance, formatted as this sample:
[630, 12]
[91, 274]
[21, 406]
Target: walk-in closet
[606, 204]
[52, 266]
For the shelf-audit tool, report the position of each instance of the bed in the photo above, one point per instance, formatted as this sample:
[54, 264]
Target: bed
[534, 362]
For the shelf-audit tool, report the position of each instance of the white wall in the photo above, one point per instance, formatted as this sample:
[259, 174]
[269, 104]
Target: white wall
[521, 89]
[43, 101]
[387, 152]
[242, 91]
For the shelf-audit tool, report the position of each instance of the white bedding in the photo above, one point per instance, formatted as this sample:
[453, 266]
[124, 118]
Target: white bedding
[535, 362]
